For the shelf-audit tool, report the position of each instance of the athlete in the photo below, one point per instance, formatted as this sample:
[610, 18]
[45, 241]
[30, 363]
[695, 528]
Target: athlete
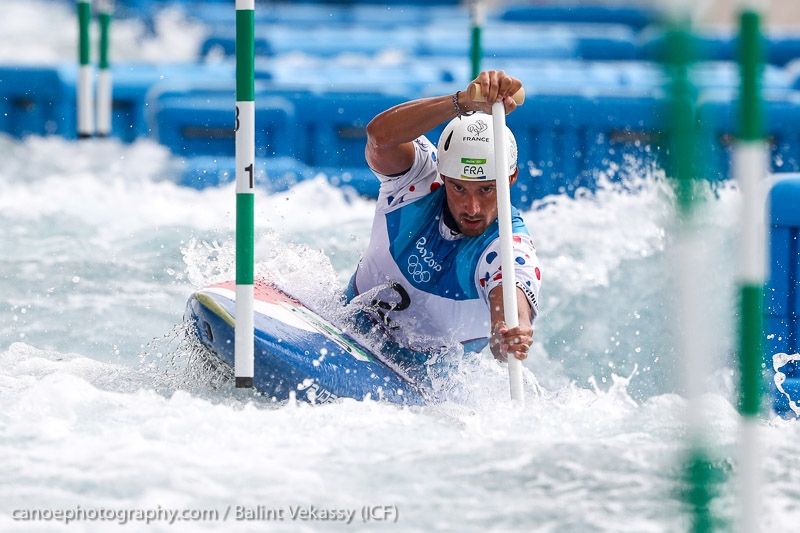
[432, 270]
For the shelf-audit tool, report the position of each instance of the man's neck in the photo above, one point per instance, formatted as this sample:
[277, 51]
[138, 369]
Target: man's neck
[449, 220]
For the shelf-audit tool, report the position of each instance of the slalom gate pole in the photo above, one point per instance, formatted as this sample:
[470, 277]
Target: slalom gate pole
[690, 263]
[477, 12]
[510, 309]
[104, 86]
[85, 74]
[751, 166]
[245, 188]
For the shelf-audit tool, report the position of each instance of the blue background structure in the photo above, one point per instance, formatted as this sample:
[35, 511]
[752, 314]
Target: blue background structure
[596, 96]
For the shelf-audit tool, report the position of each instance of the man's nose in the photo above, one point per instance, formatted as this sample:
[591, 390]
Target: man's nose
[473, 207]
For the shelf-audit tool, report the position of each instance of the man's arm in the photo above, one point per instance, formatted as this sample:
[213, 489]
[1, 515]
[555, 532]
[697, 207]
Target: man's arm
[504, 340]
[391, 133]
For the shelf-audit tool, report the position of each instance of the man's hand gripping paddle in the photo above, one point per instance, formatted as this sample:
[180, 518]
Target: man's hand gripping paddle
[510, 311]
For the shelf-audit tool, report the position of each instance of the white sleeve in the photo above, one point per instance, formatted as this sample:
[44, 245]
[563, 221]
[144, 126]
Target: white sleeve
[419, 180]
[527, 270]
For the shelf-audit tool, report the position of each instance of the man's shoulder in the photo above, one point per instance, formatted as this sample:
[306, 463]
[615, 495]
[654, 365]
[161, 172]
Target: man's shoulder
[420, 180]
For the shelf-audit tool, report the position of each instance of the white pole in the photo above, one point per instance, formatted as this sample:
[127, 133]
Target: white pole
[690, 264]
[510, 309]
[751, 167]
[244, 337]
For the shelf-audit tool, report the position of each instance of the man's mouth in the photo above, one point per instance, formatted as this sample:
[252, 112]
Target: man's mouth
[471, 222]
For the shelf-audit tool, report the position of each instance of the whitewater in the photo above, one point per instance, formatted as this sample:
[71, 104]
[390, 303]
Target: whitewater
[108, 422]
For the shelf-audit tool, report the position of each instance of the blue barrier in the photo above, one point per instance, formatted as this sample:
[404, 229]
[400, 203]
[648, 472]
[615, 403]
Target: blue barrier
[332, 125]
[444, 38]
[321, 75]
[132, 82]
[311, 15]
[42, 100]
[782, 296]
[498, 41]
[583, 118]
[718, 119]
[570, 75]
[325, 130]
[634, 15]
[36, 100]
[202, 125]
[780, 48]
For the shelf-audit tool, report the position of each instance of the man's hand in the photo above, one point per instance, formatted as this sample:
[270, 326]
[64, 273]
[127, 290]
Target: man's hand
[496, 86]
[507, 341]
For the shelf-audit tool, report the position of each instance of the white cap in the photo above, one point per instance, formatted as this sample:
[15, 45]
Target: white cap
[466, 149]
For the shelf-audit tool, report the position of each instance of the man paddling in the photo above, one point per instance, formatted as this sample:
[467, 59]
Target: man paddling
[432, 270]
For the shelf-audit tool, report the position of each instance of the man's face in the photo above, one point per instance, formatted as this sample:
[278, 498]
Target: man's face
[473, 204]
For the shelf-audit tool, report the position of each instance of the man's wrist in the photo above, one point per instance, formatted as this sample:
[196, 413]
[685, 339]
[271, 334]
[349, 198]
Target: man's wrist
[460, 109]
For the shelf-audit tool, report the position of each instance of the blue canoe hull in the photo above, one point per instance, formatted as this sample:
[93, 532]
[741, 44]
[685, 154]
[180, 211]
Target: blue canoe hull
[296, 350]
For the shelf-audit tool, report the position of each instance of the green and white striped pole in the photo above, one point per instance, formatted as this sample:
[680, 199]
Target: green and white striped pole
[690, 264]
[477, 12]
[245, 188]
[85, 73]
[104, 86]
[751, 166]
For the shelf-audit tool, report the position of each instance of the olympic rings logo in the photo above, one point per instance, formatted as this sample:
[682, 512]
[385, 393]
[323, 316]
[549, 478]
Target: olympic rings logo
[417, 270]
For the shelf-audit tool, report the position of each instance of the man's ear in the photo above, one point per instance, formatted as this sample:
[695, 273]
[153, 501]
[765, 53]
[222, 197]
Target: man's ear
[513, 178]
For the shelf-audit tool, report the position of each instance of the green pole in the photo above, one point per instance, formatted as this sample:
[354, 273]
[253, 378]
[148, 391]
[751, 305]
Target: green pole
[245, 188]
[104, 99]
[690, 264]
[751, 137]
[477, 16]
[751, 166]
[85, 75]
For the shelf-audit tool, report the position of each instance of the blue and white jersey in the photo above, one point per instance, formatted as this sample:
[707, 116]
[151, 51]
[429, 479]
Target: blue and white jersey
[428, 283]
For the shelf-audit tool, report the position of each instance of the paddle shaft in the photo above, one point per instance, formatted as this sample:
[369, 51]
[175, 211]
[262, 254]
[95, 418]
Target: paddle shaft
[510, 310]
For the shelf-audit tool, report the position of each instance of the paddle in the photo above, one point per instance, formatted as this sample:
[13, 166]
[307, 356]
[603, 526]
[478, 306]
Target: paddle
[510, 311]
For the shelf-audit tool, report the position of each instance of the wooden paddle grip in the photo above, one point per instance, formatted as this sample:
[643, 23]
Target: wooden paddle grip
[476, 94]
